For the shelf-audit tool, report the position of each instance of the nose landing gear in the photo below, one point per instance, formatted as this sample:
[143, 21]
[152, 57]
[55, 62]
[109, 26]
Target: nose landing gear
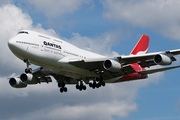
[28, 70]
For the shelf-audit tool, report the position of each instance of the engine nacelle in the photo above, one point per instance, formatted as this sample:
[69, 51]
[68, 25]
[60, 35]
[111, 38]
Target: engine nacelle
[162, 59]
[28, 78]
[17, 83]
[112, 65]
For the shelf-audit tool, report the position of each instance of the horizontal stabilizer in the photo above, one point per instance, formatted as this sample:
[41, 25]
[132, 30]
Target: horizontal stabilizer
[157, 70]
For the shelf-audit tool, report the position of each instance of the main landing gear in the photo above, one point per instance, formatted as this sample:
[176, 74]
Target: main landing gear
[80, 85]
[62, 87]
[28, 70]
[98, 82]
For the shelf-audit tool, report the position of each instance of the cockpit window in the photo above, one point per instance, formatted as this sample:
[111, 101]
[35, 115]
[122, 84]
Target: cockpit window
[21, 32]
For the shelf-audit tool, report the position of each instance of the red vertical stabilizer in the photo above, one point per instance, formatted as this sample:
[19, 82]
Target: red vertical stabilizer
[142, 46]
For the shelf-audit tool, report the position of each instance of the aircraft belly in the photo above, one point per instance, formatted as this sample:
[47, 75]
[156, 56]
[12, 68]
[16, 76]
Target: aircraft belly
[113, 79]
[75, 72]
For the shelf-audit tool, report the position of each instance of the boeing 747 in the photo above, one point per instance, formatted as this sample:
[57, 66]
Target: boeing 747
[69, 64]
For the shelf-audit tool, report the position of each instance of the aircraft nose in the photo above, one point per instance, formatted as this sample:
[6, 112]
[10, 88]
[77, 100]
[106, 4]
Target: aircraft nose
[11, 43]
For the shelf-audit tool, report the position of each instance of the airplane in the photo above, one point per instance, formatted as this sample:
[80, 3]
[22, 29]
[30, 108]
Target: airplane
[68, 64]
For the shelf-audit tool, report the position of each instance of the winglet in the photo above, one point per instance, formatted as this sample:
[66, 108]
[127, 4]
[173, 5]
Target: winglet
[142, 46]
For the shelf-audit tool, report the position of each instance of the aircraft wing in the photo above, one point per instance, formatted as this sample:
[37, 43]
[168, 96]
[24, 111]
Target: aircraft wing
[147, 60]
[157, 70]
[144, 60]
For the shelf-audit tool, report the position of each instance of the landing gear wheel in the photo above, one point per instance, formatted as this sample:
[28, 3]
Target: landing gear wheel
[84, 87]
[103, 83]
[77, 86]
[65, 89]
[94, 84]
[99, 84]
[80, 85]
[90, 84]
[61, 90]
[62, 87]
[80, 88]
[28, 70]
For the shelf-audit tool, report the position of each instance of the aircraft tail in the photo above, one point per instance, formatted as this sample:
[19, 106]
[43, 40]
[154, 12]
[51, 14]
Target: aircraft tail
[142, 46]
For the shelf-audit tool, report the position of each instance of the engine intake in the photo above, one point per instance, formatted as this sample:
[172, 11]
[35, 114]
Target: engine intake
[112, 65]
[29, 78]
[162, 59]
[17, 83]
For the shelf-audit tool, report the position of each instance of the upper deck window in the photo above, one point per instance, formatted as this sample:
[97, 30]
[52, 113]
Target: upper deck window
[43, 36]
[21, 32]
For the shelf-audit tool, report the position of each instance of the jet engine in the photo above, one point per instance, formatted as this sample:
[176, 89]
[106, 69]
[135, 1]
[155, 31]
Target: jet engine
[112, 65]
[29, 78]
[162, 59]
[17, 83]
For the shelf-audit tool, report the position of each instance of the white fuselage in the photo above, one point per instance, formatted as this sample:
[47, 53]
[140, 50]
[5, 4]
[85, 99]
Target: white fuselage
[51, 53]
[69, 64]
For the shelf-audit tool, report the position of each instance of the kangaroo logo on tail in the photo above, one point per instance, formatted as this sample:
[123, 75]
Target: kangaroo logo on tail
[142, 46]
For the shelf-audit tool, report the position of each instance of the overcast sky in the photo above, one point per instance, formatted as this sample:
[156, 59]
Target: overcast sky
[107, 27]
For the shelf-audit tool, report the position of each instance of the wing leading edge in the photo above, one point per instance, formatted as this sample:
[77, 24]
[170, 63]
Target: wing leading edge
[158, 70]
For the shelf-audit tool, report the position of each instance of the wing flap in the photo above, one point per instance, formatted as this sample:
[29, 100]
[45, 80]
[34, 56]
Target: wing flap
[146, 63]
[127, 69]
